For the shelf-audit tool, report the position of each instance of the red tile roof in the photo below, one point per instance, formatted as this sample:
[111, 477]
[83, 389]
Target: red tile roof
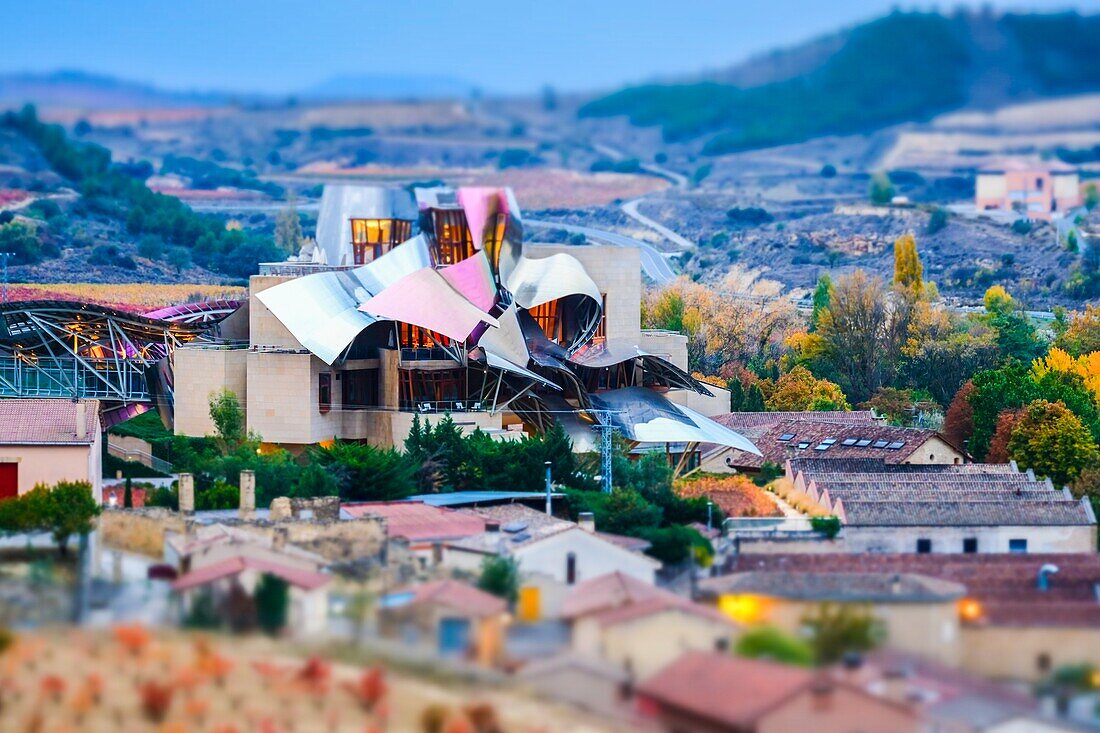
[723, 688]
[809, 433]
[50, 422]
[418, 522]
[1005, 585]
[652, 606]
[740, 420]
[457, 595]
[610, 591]
[298, 577]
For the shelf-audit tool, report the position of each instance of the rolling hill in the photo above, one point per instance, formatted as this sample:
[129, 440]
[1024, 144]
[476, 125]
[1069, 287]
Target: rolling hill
[905, 66]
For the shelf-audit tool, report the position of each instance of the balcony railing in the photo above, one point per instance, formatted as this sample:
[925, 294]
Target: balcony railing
[299, 269]
[428, 407]
[109, 379]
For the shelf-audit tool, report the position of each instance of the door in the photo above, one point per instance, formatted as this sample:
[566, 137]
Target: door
[9, 480]
[530, 603]
[454, 636]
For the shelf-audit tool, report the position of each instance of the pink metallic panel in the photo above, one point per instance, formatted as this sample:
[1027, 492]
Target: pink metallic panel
[424, 298]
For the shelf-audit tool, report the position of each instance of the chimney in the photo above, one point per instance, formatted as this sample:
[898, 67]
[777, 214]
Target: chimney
[248, 495]
[895, 585]
[80, 425]
[278, 540]
[587, 521]
[492, 526]
[187, 493]
[1044, 576]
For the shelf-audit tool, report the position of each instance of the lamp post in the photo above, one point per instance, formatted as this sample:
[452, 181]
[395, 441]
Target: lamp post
[710, 510]
[549, 490]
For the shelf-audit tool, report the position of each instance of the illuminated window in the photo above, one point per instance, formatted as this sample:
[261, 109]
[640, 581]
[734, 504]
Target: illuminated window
[549, 319]
[372, 238]
[452, 236]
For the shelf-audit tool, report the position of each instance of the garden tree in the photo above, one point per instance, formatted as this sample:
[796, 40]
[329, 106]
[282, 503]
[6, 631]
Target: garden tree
[861, 335]
[228, 419]
[288, 228]
[364, 472]
[908, 270]
[128, 495]
[1015, 336]
[823, 292]
[1092, 196]
[937, 220]
[754, 399]
[723, 327]
[772, 644]
[1051, 440]
[836, 630]
[799, 390]
[272, 599]
[958, 423]
[737, 394]
[1087, 485]
[500, 576]
[895, 404]
[677, 544]
[998, 444]
[882, 191]
[1082, 333]
[939, 358]
[66, 509]
[1087, 367]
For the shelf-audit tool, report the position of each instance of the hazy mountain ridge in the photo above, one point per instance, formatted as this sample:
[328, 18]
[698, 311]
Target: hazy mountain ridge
[897, 68]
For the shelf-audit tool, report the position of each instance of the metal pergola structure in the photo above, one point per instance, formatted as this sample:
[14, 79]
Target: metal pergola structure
[66, 349]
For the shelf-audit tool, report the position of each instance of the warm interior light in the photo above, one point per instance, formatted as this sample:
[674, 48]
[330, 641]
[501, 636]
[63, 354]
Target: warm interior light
[745, 609]
[970, 609]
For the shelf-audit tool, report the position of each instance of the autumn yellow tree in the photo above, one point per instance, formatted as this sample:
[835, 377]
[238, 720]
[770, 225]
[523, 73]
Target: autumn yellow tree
[908, 270]
[799, 390]
[1052, 441]
[1086, 366]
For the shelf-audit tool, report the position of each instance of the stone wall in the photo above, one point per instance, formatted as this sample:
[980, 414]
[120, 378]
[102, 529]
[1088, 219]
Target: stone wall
[138, 531]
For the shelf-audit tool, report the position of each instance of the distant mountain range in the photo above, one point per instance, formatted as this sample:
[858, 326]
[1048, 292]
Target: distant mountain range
[898, 68]
[82, 90]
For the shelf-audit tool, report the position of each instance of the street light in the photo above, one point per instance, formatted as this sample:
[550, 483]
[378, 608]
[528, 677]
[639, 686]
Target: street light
[710, 508]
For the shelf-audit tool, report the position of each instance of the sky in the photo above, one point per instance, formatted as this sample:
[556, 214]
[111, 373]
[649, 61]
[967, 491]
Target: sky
[506, 46]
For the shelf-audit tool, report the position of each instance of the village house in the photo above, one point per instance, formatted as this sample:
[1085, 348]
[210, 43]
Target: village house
[426, 528]
[709, 692]
[1021, 618]
[553, 554]
[1031, 189]
[918, 613]
[46, 441]
[971, 508]
[826, 435]
[643, 634]
[446, 617]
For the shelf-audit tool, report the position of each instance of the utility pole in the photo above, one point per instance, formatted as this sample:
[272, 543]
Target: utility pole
[7, 256]
[549, 490]
[606, 430]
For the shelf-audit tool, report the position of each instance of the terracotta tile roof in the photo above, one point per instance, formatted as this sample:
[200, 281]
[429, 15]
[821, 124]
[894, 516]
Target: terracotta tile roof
[611, 590]
[868, 587]
[652, 606]
[941, 496]
[723, 688]
[298, 577]
[456, 595]
[52, 422]
[418, 522]
[809, 437]
[741, 420]
[1004, 584]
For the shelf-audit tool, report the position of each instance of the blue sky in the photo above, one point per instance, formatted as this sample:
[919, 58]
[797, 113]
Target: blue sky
[278, 46]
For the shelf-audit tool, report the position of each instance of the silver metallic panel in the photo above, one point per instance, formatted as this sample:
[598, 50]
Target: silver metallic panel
[341, 203]
[537, 281]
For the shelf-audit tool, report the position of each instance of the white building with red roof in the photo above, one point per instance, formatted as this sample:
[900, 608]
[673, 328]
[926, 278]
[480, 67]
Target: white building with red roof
[45, 441]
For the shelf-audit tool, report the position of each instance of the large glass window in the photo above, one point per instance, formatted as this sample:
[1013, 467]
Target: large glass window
[359, 389]
[452, 236]
[372, 238]
[433, 390]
